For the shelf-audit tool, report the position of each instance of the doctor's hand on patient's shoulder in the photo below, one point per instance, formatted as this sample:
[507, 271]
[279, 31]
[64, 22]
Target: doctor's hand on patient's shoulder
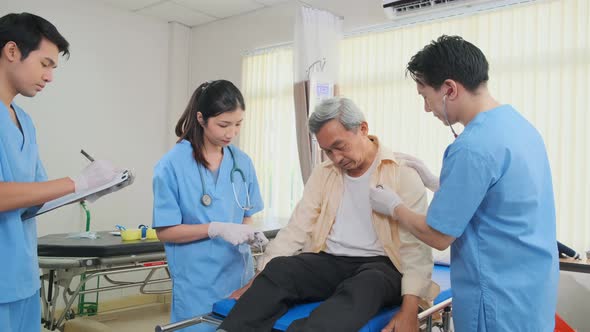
[384, 200]
[230, 232]
[430, 180]
[98, 173]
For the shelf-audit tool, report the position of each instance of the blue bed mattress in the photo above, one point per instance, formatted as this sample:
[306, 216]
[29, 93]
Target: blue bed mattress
[441, 275]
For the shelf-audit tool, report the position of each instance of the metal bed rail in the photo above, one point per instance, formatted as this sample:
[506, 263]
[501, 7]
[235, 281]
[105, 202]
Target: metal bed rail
[60, 273]
[424, 317]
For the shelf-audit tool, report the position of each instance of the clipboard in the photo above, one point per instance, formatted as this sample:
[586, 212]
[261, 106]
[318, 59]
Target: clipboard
[121, 180]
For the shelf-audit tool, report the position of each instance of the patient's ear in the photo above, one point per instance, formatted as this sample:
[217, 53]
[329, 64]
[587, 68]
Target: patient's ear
[364, 128]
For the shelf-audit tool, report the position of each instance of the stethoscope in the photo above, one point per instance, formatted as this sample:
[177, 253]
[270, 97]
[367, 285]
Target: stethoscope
[206, 198]
[446, 116]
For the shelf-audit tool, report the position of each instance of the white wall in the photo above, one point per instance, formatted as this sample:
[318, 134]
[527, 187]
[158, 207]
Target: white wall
[217, 49]
[109, 98]
[178, 76]
[573, 302]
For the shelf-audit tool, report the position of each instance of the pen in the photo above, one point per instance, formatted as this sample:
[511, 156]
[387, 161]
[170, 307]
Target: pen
[87, 155]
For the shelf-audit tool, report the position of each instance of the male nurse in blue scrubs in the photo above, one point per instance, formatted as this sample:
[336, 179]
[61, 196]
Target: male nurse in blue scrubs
[29, 50]
[495, 202]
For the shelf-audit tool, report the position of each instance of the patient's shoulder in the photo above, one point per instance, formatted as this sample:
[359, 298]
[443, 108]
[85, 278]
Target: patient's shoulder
[409, 179]
[401, 177]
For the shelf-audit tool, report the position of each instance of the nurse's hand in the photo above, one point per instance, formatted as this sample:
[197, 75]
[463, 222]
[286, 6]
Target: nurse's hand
[384, 201]
[430, 180]
[92, 198]
[230, 232]
[98, 173]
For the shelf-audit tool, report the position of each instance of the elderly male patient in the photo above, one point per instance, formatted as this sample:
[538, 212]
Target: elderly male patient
[354, 260]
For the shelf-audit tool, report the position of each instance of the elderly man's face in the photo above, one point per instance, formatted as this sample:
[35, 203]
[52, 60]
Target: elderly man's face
[344, 147]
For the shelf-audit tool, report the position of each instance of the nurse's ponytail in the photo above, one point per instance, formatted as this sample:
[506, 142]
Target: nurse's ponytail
[211, 99]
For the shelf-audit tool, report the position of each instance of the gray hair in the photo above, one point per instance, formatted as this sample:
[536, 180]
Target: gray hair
[343, 109]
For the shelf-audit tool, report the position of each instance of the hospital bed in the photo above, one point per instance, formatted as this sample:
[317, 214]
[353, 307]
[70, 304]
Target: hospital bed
[442, 305]
[69, 264]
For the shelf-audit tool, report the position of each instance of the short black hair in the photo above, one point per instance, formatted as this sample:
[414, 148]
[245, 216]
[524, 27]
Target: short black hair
[27, 30]
[449, 57]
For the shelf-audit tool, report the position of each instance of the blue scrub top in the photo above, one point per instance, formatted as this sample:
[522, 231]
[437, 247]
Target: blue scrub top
[208, 270]
[19, 162]
[496, 199]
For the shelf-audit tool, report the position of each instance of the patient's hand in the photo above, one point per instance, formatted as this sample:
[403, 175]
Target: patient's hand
[406, 320]
[403, 322]
[238, 293]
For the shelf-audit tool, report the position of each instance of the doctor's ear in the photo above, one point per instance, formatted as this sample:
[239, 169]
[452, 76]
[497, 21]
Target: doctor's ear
[11, 51]
[450, 87]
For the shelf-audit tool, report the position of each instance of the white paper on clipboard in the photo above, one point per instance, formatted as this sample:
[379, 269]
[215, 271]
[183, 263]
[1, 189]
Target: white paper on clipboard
[119, 180]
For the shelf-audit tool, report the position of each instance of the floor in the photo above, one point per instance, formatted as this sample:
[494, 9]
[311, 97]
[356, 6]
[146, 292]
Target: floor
[138, 319]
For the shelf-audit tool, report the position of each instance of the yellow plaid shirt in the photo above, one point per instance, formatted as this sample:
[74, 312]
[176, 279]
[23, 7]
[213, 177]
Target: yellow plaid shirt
[315, 213]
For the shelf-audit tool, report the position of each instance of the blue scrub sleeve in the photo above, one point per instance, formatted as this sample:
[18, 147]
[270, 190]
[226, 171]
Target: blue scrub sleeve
[165, 187]
[254, 192]
[40, 174]
[465, 180]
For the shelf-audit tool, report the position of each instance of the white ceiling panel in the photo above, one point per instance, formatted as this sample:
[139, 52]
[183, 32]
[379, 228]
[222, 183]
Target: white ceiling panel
[192, 12]
[221, 8]
[131, 4]
[173, 12]
[270, 2]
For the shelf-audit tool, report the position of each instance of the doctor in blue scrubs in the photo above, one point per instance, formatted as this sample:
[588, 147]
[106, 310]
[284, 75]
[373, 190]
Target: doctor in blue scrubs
[205, 193]
[495, 201]
[29, 51]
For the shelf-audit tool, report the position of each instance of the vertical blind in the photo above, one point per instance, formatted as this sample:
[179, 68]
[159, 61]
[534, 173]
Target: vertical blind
[268, 133]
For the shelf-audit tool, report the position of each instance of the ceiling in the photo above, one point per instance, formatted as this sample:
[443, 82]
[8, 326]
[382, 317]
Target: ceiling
[191, 12]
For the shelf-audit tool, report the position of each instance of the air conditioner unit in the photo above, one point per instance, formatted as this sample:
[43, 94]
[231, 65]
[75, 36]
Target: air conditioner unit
[420, 10]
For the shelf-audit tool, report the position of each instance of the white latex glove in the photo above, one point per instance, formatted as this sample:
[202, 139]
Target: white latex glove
[384, 201]
[230, 232]
[430, 180]
[94, 197]
[98, 173]
[259, 240]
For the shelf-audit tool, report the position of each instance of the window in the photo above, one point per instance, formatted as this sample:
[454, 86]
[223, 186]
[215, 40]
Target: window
[268, 134]
[539, 57]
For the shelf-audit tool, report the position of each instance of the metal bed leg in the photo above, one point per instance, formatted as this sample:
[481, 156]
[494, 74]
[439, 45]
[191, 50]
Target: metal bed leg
[53, 309]
[429, 324]
[44, 300]
[49, 300]
[446, 319]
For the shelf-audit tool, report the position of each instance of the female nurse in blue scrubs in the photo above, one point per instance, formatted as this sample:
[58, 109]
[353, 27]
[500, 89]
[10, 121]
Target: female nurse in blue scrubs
[29, 51]
[205, 193]
[495, 200]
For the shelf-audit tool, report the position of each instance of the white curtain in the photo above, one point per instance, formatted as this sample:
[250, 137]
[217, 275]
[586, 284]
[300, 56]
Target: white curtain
[317, 38]
[268, 133]
[539, 57]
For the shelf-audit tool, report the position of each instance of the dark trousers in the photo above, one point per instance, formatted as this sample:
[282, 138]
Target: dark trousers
[353, 289]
